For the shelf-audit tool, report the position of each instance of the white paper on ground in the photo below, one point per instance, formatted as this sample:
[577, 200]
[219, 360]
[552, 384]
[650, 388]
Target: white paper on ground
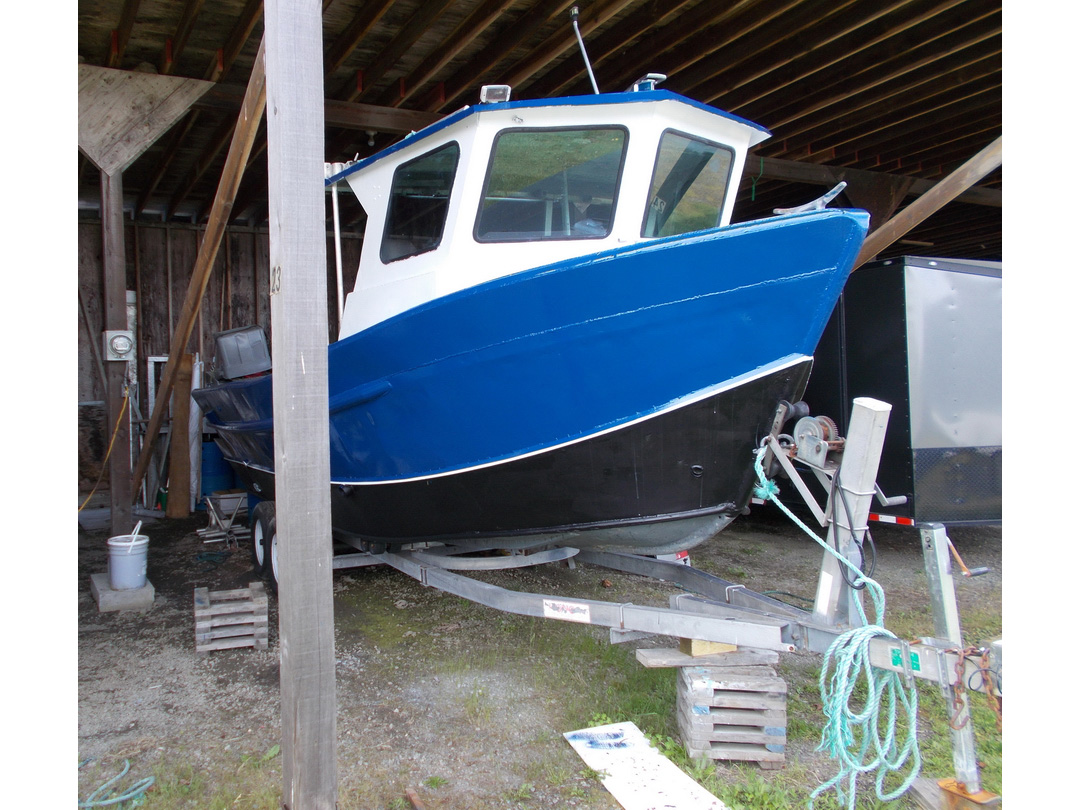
[636, 774]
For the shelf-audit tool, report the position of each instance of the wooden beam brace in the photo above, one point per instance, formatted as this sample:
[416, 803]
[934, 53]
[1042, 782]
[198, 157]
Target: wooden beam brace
[947, 190]
[820, 174]
[344, 114]
[243, 137]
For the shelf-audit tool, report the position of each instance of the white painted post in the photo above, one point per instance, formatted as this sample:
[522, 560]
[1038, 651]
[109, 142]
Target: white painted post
[294, 114]
[835, 602]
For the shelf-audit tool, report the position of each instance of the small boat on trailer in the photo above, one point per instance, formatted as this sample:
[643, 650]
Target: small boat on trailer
[556, 337]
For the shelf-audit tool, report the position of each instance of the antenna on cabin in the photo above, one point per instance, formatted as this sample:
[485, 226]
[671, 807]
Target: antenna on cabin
[581, 42]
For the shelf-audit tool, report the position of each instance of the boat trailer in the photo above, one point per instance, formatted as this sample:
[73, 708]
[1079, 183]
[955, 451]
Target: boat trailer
[717, 610]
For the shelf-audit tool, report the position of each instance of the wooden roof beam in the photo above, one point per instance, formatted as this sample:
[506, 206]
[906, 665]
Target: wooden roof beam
[750, 36]
[405, 38]
[509, 38]
[889, 108]
[119, 36]
[174, 45]
[360, 27]
[457, 41]
[345, 114]
[957, 46]
[941, 194]
[238, 38]
[818, 174]
[835, 38]
[643, 22]
[562, 39]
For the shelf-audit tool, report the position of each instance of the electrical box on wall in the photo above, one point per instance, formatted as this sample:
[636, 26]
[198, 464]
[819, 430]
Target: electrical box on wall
[119, 344]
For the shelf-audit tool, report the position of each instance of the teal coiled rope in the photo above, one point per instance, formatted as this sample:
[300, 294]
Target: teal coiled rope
[134, 794]
[865, 740]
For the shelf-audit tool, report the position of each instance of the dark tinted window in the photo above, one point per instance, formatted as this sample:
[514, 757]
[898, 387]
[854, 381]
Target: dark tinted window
[419, 201]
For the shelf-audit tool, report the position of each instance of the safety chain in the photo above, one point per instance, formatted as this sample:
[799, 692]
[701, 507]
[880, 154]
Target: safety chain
[986, 672]
[989, 684]
[958, 690]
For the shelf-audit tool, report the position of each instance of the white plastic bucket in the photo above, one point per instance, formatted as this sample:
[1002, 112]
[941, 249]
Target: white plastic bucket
[127, 561]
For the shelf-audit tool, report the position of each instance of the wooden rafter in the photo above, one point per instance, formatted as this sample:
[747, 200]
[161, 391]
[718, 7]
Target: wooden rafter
[366, 19]
[405, 38]
[510, 36]
[458, 40]
[174, 45]
[562, 39]
[121, 34]
[837, 42]
[238, 38]
[942, 193]
[647, 21]
[941, 54]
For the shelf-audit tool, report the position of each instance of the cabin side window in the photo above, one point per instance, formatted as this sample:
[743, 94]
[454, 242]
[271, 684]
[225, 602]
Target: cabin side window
[689, 183]
[551, 184]
[419, 202]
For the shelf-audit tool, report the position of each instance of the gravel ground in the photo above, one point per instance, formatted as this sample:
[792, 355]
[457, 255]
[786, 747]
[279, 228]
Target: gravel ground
[483, 733]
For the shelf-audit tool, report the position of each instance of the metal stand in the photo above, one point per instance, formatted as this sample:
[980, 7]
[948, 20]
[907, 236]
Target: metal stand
[966, 789]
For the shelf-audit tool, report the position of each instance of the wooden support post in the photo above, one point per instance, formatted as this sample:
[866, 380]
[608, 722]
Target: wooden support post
[836, 604]
[115, 299]
[948, 189]
[243, 137]
[298, 301]
[180, 457]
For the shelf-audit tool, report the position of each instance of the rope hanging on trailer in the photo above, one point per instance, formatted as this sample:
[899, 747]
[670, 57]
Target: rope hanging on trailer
[856, 738]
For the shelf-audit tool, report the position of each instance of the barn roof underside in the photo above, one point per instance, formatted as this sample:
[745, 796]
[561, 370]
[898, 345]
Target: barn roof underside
[910, 89]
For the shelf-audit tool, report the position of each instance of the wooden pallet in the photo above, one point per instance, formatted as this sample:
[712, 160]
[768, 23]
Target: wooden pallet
[228, 619]
[733, 713]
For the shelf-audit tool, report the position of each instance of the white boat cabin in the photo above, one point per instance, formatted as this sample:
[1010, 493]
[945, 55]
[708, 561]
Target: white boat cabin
[453, 205]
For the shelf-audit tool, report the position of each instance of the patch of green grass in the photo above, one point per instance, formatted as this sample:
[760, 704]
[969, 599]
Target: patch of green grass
[435, 782]
[251, 781]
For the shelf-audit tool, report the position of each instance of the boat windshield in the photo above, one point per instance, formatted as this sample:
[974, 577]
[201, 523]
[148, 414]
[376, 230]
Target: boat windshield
[419, 202]
[689, 184]
[551, 184]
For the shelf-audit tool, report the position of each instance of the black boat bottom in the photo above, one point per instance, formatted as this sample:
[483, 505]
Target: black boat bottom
[656, 486]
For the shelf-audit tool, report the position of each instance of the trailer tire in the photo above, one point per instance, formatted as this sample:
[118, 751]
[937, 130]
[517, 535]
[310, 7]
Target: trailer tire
[263, 526]
[272, 556]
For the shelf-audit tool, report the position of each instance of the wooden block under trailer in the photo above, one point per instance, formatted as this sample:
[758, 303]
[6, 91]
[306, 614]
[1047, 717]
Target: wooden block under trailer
[703, 682]
[739, 752]
[716, 725]
[230, 619]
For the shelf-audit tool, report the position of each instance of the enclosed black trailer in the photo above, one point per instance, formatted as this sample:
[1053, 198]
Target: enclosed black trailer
[924, 335]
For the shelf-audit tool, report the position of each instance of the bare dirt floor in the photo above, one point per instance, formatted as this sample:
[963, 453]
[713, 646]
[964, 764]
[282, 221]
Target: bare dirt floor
[460, 704]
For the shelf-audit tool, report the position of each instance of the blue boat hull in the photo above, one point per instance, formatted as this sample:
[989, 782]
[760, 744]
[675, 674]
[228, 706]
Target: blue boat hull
[535, 404]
